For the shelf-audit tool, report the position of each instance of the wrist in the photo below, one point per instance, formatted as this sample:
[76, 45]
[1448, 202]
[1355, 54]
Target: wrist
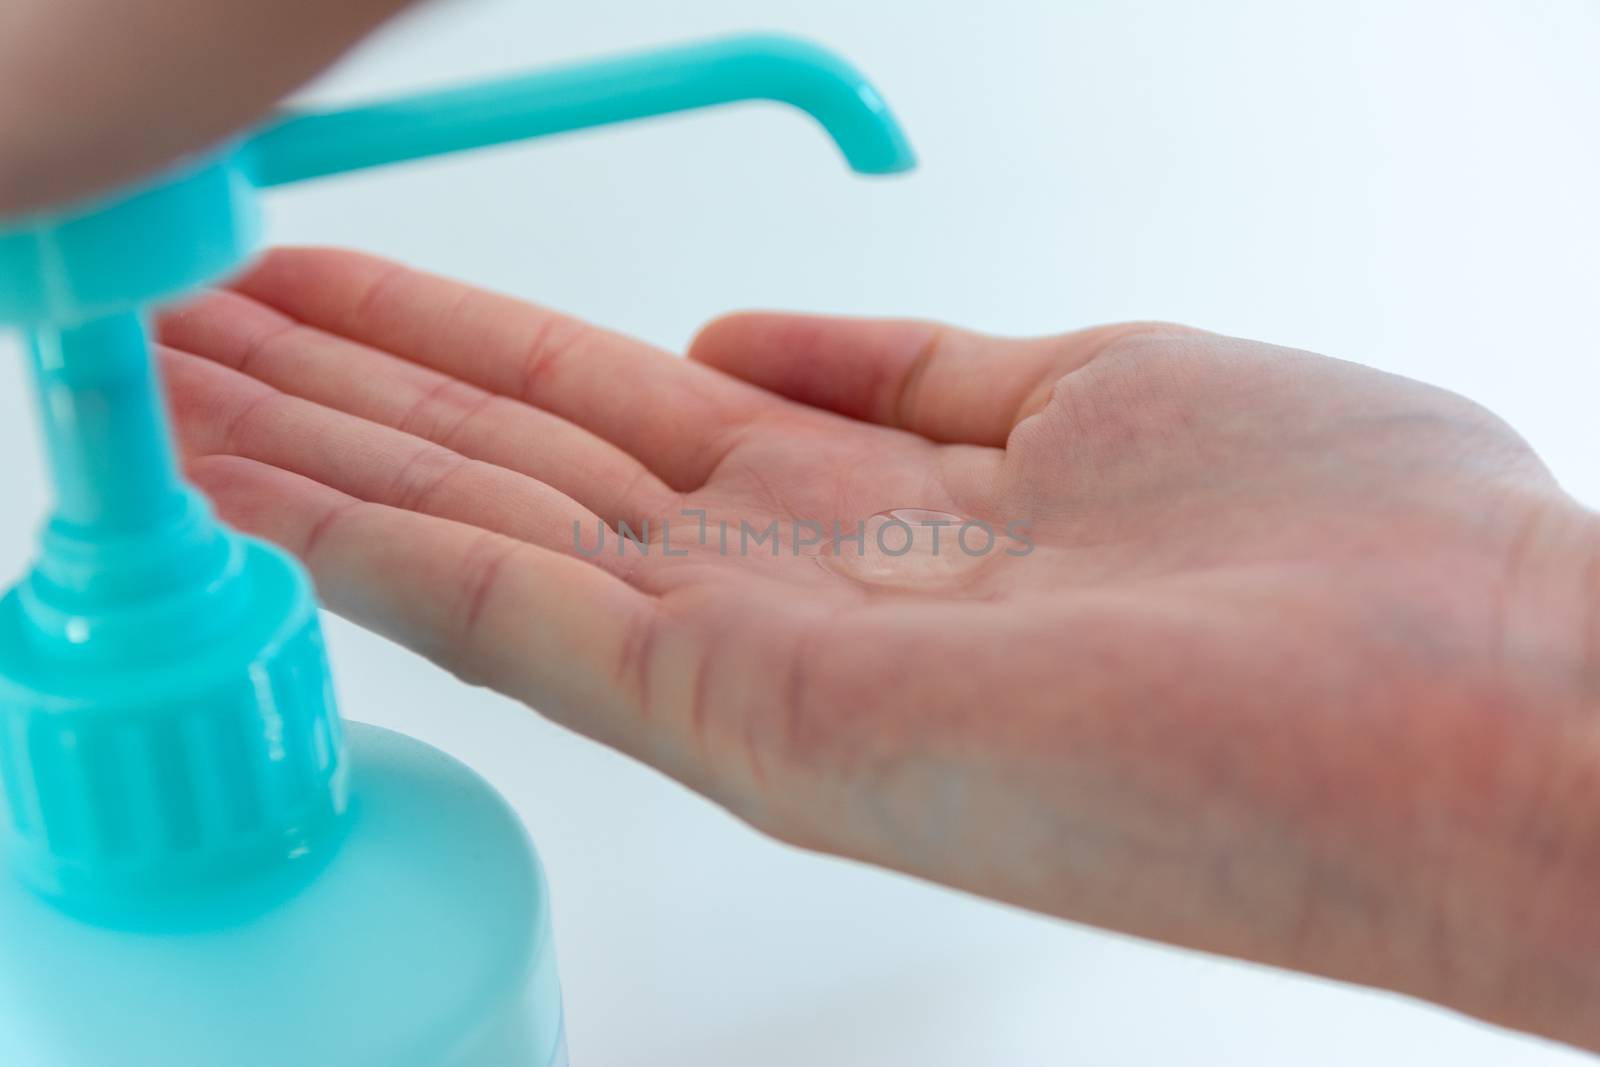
[1551, 613]
[1549, 876]
[1590, 671]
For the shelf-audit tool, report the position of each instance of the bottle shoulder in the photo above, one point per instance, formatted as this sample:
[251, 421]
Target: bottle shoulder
[429, 927]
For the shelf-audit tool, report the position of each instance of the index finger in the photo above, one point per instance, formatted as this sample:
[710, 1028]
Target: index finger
[107, 69]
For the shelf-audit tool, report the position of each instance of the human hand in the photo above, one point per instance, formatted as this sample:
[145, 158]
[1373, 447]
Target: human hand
[100, 94]
[1303, 665]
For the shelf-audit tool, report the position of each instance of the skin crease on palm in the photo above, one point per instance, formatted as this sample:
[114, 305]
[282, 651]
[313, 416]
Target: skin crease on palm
[1302, 667]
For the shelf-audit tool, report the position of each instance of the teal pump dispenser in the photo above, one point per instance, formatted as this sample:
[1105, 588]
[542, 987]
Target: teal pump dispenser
[203, 866]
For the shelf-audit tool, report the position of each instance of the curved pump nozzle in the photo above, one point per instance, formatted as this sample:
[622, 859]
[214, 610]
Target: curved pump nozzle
[306, 145]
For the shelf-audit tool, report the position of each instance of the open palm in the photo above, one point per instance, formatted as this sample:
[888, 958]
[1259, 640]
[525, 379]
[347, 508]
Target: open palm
[1269, 654]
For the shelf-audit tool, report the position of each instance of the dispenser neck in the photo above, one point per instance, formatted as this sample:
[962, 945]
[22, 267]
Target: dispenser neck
[126, 530]
[105, 431]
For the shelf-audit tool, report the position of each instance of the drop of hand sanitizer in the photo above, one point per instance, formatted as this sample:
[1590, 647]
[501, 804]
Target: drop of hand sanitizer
[915, 548]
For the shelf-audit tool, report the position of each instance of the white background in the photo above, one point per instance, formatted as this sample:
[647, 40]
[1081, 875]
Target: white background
[1411, 184]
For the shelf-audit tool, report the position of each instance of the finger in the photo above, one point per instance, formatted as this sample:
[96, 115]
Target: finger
[257, 340]
[677, 418]
[946, 384]
[223, 412]
[473, 601]
[211, 68]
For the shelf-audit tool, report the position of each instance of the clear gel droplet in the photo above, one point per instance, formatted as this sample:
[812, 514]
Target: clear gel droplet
[913, 548]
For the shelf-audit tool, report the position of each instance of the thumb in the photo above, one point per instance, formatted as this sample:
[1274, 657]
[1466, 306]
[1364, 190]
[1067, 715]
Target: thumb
[947, 384]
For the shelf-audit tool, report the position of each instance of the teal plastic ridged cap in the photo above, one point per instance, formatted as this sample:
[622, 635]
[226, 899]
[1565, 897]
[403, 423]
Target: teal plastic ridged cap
[166, 720]
[192, 741]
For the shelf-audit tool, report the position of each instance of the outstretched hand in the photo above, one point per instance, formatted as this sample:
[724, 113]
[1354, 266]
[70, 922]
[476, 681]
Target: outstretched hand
[1269, 654]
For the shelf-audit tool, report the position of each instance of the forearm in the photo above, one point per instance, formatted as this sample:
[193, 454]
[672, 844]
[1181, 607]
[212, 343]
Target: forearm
[94, 94]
